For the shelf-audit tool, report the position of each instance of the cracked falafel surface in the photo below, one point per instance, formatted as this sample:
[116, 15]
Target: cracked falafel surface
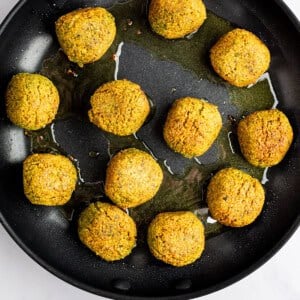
[265, 137]
[107, 231]
[235, 198]
[175, 19]
[133, 177]
[49, 179]
[240, 57]
[32, 101]
[119, 107]
[86, 34]
[192, 126]
[176, 238]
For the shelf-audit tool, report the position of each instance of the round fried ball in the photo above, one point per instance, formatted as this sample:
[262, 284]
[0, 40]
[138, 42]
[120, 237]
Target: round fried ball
[176, 238]
[175, 19]
[107, 231]
[192, 126]
[32, 101]
[86, 34]
[265, 137]
[119, 107]
[132, 178]
[48, 179]
[235, 198]
[240, 57]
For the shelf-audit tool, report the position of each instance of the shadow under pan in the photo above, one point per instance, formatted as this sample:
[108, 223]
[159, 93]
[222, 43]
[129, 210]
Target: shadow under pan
[166, 70]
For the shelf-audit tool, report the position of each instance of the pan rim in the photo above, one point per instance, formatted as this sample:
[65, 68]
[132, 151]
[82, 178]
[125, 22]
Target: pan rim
[114, 295]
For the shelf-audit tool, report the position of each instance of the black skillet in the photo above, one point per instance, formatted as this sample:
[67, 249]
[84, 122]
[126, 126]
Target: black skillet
[50, 239]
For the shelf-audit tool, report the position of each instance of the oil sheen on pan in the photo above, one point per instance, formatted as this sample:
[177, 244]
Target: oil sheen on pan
[184, 179]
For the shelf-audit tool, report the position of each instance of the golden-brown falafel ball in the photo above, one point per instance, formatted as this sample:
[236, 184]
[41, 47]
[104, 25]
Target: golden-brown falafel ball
[48, 179]
[32, 101]
[235, 198]
[175, 19]
[119, 107]
[107, 230]
[240, 57]
[265, 137]
[192, 126]
[86, 34]
[176, 238]
[132, 178]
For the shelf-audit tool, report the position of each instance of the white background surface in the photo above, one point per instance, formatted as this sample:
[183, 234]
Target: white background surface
[23, 279]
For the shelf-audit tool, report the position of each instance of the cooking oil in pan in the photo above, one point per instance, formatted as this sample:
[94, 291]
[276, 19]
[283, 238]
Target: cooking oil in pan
[183, 190]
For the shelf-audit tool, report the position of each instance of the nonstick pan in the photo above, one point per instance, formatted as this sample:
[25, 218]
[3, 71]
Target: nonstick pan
[48, 235]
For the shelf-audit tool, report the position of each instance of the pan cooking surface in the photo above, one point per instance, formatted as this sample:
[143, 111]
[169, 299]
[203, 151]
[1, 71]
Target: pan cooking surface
[166, 70]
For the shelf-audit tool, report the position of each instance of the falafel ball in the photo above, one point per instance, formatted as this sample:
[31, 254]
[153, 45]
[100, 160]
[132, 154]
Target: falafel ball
[86, 34]
[235, 198]
[192, 126]
[176, 238]
[265, 137]
[48, 179]
[175, 19]
[240, 57]
[32, 101]
[132, 178]
[107, 231]
[119, 107]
